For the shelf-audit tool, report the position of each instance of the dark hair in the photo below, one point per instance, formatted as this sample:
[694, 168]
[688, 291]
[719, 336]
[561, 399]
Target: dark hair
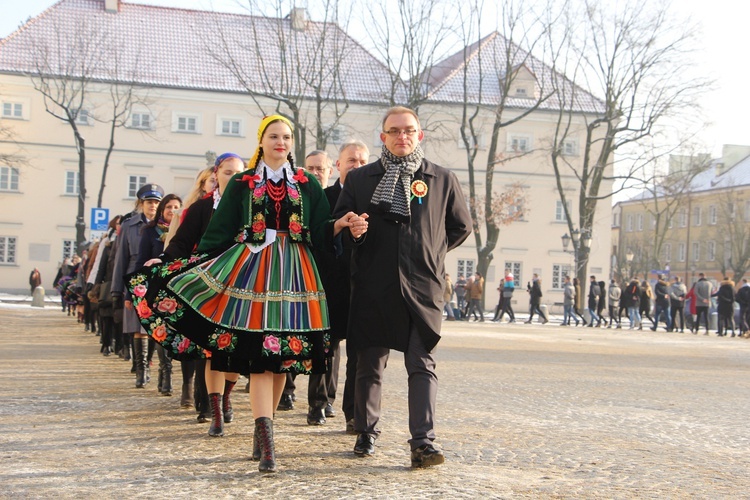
[160, 208]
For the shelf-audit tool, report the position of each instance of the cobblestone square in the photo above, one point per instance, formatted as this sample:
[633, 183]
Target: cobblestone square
[524, 411]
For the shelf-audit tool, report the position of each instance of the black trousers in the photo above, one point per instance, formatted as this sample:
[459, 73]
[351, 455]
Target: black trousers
[321, 388]
[677, 308]
[701, 311]
[422, 384]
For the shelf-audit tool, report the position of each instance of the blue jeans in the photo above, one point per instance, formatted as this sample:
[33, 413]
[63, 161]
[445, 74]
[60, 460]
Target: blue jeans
[658, 311]
[568, 314]
[634, 316]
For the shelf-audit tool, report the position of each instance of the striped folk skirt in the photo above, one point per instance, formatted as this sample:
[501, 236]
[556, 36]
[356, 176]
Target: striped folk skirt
[254, 312]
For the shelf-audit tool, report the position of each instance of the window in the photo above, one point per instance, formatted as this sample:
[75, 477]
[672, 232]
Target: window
[465, 267]
[747, 211]
[682, 217]
[82, 118]
[696, 251]
[68, 249]
[186, 124]
[560, 213]
[515, 268]
[517, 208]
[141, 121]
[8, 179]
[570, 147]
[472, 141]
[71, 183]
[519, 143]
[629, 223]
[639, 222]
[559, 271]
[681, 252]
[711, 251]
[7, 250]
[337, 135]
[134, 184]
[697, 216]
[231, 127]
[670, 222]
[616, 219]
[732, 211]
[652, 218]
[712, 215]
[667, 252]
[521, 92]
[13, 110]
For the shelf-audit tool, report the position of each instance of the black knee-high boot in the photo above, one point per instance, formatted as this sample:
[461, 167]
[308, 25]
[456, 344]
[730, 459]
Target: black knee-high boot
[264, 431]
[217, 416]
[140, 351]
[227, 402]
[188, 372]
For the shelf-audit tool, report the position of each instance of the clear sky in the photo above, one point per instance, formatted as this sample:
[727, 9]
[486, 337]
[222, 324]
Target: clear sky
[724, 59]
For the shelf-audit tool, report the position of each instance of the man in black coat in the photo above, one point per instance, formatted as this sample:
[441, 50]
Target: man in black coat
[417, 212]
[334, 273]
[595, 293]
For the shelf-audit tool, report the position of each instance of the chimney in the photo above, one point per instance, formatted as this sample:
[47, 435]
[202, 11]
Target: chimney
[112, 6]
[299, 18]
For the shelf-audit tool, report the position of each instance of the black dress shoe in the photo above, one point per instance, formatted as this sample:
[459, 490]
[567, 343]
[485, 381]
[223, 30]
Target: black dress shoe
[316, 416]
[330, 412]
[286, 403]
[426, 455]
[365, 445]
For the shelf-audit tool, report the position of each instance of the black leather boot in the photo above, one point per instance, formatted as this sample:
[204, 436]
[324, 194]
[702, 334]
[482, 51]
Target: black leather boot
[264, 430]
[226, 404]
[256, 446]
[217, 417]
[139, 357]
[186, 399]
[165, 364]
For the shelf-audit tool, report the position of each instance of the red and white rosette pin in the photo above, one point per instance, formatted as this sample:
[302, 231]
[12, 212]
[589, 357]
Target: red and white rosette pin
[418, 190]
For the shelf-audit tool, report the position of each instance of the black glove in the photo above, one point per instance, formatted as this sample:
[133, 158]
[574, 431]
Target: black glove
[117, 301]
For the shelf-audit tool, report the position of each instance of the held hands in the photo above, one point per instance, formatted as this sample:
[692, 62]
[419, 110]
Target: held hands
[357, 224]
[152, 262]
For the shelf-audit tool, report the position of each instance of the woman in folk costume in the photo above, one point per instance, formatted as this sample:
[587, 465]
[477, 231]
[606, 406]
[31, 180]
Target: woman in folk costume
[210, 384]
[256, 301]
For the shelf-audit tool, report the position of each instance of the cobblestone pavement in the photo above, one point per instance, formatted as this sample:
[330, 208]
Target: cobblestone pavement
[523, 411]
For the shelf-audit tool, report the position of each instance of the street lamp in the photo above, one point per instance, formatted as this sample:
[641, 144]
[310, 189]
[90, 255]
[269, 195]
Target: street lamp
[575, 237]
[629, 259]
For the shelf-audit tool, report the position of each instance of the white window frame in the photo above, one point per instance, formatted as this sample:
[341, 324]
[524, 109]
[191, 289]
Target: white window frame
[615, 219]
[560, 213]
[696, 251]
[68, 249]
[9, 178]
[181, 123]
[8, 247]
[681, 252]
[518, 139]
[559, 271]
[482, 144]
[72, 185]
[570, 147]
[710, 251]
[713, 215]
[629, 223]
[83, 117]
[135, 182]
[138, 123]
[516, 268]
[230, 121]
[697, 216]
[467, 267]
[667, 252]
[13, 110]
[682, 217]
[336, 135]
[639, 222]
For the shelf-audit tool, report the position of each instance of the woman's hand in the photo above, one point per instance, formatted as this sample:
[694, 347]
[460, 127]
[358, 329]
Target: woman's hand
[129, 305]
[153, 261]
[357, 224]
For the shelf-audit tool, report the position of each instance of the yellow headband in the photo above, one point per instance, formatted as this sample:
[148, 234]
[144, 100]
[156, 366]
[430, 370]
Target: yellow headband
[264, 123]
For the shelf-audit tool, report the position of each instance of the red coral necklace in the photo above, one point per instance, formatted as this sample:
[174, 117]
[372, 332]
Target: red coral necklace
[276, 193]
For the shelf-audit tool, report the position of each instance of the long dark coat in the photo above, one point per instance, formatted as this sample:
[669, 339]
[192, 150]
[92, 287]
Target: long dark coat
[334, 273]
[398, 269]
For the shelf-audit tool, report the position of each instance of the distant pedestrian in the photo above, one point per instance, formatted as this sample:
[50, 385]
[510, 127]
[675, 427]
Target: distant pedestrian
[725, 307]
[702, 301]
[595, 293]
[35, 279]
[677, 293]
[614, 294]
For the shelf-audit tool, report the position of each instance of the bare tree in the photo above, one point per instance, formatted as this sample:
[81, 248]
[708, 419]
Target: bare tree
[64, 68]
[629, 55]
[494, 68]
[12, 158]
[296, 62]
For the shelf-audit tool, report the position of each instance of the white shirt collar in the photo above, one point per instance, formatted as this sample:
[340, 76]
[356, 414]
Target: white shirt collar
[277, 175]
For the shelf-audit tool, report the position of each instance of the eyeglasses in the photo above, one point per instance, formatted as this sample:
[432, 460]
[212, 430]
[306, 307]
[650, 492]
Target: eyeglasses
[396, 133]
[320, 170]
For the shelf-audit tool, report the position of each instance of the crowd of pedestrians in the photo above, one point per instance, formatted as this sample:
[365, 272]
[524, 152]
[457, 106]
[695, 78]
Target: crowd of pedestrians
[667, 305]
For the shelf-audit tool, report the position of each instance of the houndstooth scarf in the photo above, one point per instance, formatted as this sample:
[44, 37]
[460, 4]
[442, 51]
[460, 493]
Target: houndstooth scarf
[393, 193]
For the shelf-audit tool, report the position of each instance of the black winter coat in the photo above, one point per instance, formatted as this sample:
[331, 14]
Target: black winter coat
[398, 269]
